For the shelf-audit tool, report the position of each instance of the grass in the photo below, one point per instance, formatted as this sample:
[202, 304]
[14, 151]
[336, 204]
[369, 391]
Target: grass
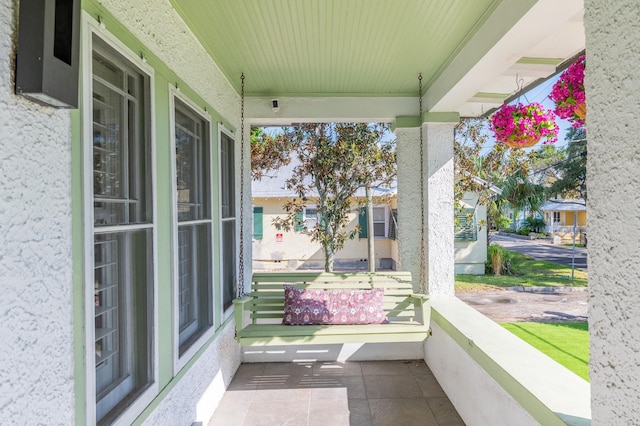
[565, 342]
[571, 244]
[528, 272]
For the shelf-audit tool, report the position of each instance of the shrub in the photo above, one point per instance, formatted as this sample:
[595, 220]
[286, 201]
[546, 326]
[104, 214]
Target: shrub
[534, 224]
[499, 262]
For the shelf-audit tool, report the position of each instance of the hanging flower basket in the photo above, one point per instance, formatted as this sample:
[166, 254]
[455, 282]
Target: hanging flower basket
[521, 126]
[568, 94]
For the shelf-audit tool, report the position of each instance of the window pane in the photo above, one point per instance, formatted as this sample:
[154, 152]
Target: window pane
[194, 282]
[122, 315]
[228, 262]
[379, 214]
[121, 154]
[227, 176]
[379, 229]
[192, 165]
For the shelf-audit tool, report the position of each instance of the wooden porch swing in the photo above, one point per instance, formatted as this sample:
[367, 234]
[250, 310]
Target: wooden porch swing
[407, 313]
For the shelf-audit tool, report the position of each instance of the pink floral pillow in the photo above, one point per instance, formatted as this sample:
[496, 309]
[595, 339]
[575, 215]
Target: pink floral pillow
[306, 307]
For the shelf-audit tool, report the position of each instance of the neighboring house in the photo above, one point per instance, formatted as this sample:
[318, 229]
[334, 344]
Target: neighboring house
[470, 241]
[563, 216]
[275, 249]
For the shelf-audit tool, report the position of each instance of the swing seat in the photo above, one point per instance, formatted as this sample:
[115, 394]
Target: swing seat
[407, 313]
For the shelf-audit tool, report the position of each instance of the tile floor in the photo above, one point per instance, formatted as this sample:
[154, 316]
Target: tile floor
[332, 393]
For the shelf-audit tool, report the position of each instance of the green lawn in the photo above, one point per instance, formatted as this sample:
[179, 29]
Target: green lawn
[565, 342]
[529, 272]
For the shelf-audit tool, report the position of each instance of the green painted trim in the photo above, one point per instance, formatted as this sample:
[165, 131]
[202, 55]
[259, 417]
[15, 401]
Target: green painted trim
[520, 393]
[412, 121]
[406, 121]
[492, 95]
[539, 61]
[251, 94]
[178, 377]
[441, 117]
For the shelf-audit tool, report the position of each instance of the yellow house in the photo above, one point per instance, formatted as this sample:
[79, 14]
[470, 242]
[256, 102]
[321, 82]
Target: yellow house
[563, 216]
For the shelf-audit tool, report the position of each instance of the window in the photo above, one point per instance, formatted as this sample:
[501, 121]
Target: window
[556, 217]
[122, 281]
[380, 221]
[309, 217]
[228, 201]
[393, 224]
[193, 239]
[466, 228]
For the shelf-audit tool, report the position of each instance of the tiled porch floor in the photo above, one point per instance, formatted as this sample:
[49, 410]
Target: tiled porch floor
[333, 393]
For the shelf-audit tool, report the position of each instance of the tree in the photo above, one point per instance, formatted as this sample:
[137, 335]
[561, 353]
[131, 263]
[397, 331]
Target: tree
[334, 160]
[480, 167]
[572, 171]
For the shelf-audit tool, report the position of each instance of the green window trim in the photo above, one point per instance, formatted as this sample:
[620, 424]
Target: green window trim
[466, 228]
[258, 229]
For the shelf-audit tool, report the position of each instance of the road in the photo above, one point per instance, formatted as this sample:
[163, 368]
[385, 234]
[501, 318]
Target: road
[540, 251]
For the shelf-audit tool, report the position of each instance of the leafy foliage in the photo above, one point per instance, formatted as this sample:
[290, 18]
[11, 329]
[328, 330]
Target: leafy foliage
[572, 172]
[334, 160]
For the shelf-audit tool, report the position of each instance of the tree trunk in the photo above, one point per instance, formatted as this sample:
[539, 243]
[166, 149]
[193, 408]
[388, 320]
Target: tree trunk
[371, 257]
[328, 262]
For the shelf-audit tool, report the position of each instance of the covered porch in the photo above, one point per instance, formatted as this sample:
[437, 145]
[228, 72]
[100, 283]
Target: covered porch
[355, 61]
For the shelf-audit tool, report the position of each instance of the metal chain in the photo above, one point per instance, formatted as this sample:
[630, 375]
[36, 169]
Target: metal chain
[423, 249]
[240, 287]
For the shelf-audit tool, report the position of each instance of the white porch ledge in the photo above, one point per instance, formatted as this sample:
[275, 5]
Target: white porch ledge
[493, 377]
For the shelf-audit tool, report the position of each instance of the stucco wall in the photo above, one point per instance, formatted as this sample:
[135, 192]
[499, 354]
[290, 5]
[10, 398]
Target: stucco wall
[297, 247]
[612, 82]
[196, 396]
[36, 355]
[438, 213]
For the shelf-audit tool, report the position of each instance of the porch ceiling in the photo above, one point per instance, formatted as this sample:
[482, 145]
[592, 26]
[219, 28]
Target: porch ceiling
[468, 52]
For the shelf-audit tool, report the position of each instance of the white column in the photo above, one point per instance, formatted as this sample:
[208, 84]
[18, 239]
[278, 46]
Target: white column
[438, 204]
[408, 150]
[613, 100]
[439, 217]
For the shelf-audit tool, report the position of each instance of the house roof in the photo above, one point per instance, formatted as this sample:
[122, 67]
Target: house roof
[562, 205]
[472, 54]
[274, 185]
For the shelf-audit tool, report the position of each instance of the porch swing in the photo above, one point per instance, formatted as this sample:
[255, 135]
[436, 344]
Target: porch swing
[387, 309]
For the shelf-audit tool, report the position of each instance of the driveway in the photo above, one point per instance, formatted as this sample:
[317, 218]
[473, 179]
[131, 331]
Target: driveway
[543, 250]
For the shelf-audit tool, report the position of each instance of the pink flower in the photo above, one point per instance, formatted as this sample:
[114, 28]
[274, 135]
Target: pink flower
[568, 92]
[517, 124]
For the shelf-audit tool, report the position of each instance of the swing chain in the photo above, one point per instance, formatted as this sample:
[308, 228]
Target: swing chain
[423, 249]
[240, 287]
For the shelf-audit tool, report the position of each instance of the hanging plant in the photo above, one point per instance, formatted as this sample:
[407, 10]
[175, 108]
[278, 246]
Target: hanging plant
[568, 94]
[521, 126]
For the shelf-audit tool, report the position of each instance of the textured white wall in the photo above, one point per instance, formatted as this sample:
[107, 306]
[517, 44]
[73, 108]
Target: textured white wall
[438, 184]
[36, 354]
[196, 396]
[613, 86]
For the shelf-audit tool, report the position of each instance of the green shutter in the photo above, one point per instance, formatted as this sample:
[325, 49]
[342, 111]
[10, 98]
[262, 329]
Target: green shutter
[466, 228]
[362, 221]
[393, 220]
[299, 223]
[257, 223]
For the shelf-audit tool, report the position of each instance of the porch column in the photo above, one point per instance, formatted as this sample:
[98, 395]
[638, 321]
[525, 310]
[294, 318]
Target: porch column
[438, 200]
[612, 81]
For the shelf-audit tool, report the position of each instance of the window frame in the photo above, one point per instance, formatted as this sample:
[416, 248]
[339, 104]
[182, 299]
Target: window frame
[306, 217]
[180, 360]
[385, 207]
[143, 397]
[222, 130]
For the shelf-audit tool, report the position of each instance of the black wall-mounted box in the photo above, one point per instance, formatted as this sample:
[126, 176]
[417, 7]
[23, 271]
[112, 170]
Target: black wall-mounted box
[49, 52]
